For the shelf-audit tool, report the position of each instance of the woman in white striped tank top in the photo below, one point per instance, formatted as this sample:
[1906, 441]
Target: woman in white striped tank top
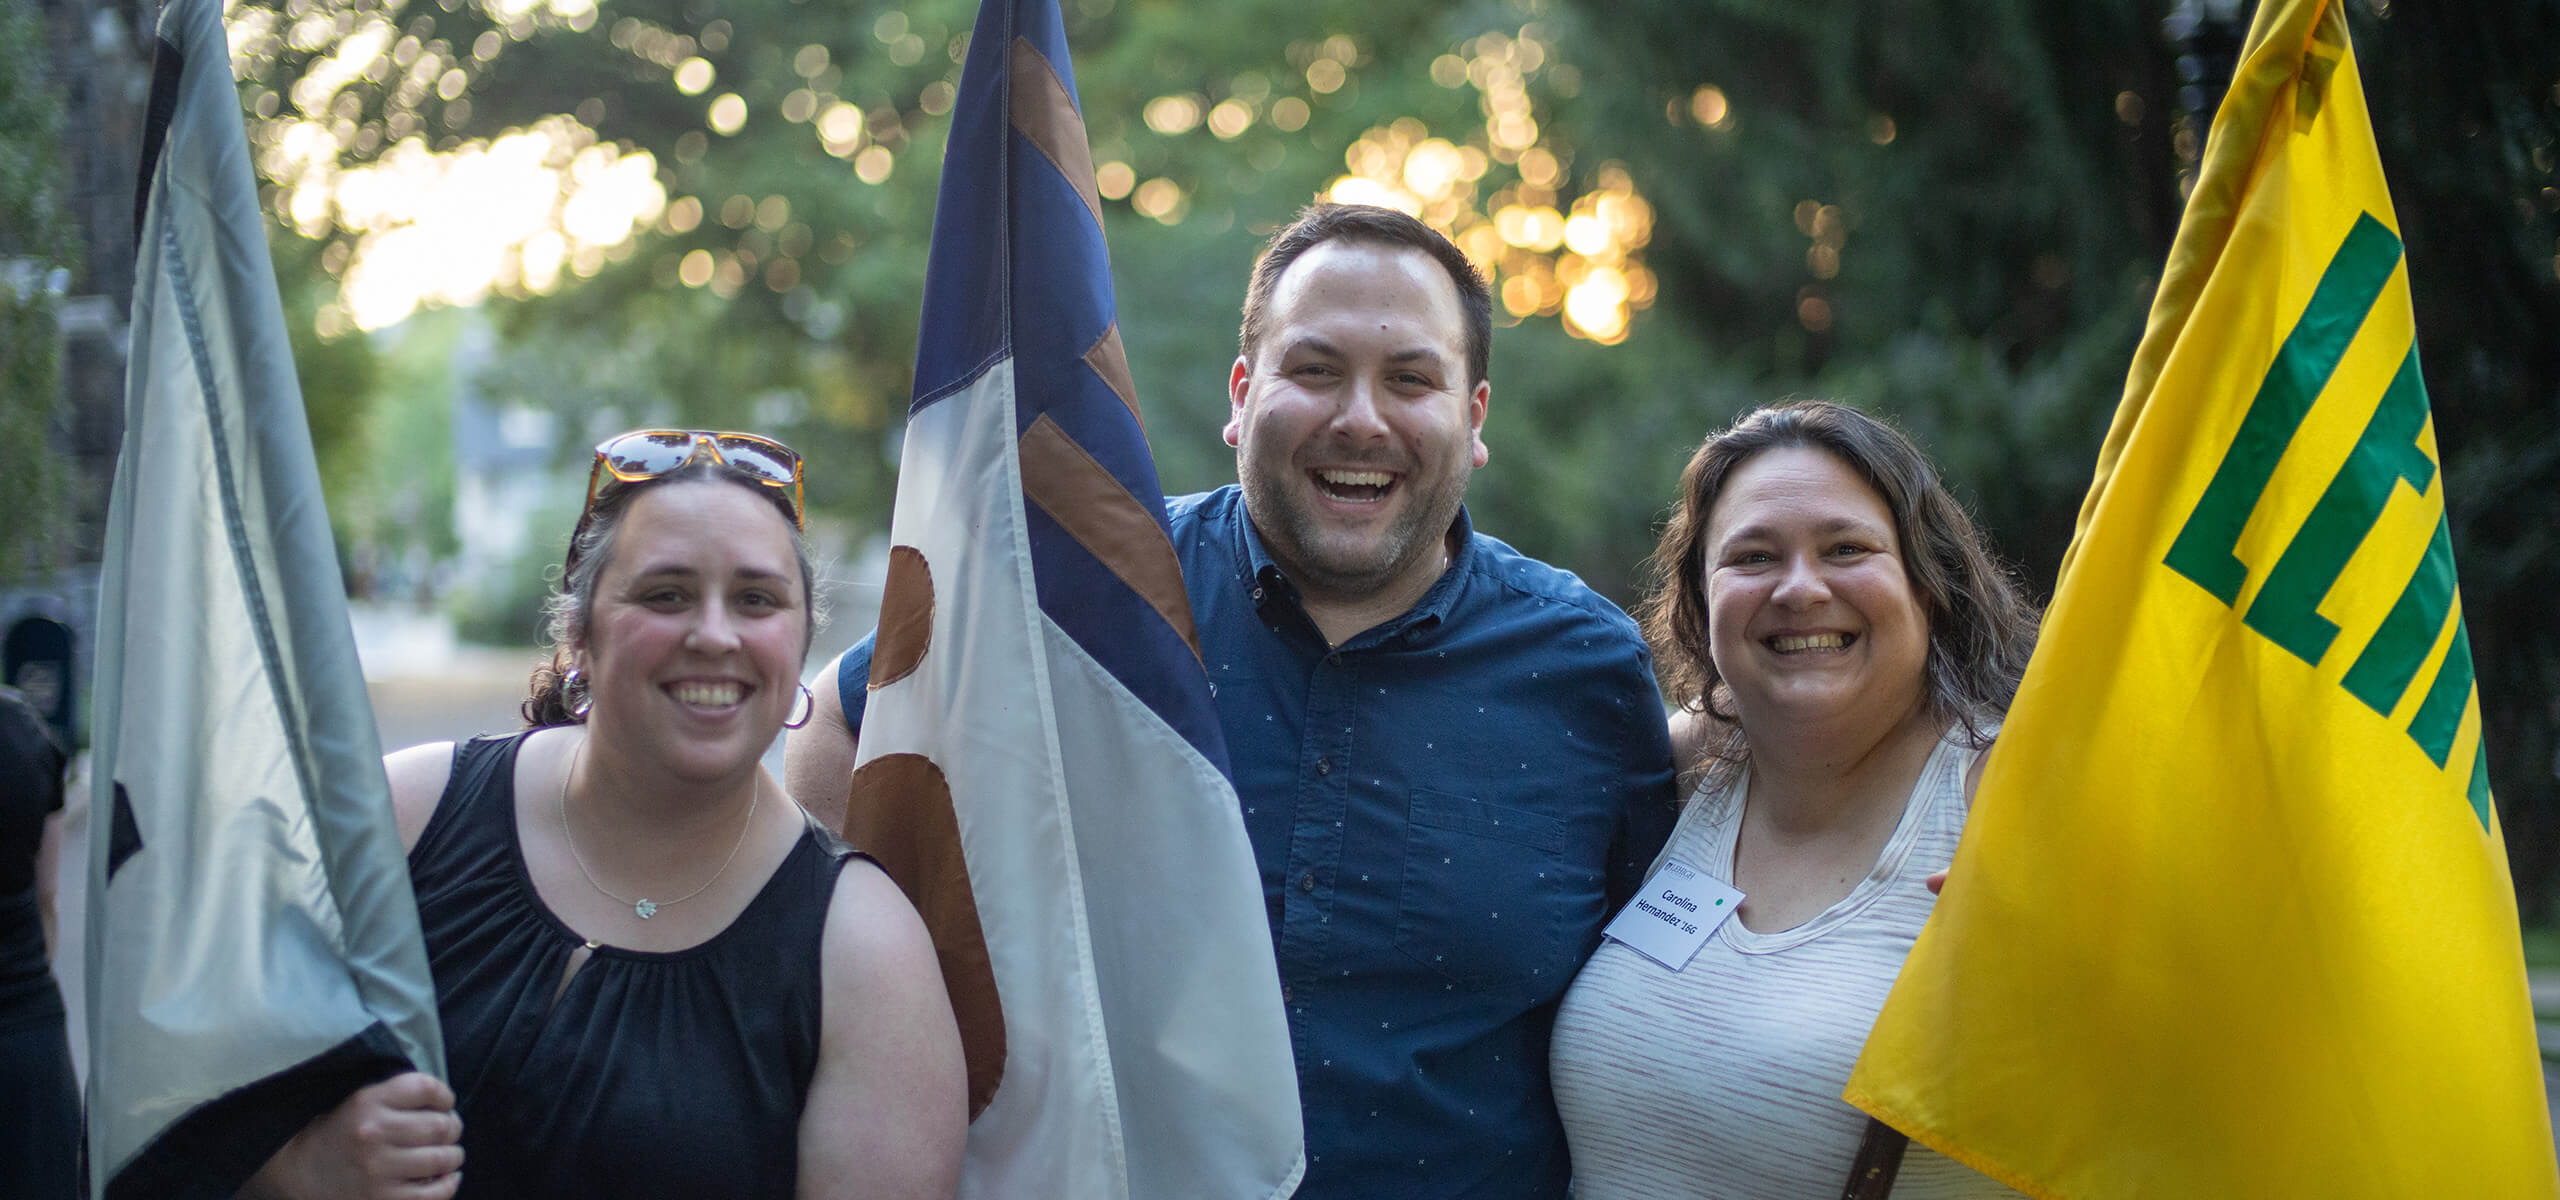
[1843, 646]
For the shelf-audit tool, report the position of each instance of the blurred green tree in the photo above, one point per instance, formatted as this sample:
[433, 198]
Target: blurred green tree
[340, 379]
[2466, 103]
[37, 251]
[1951, 213]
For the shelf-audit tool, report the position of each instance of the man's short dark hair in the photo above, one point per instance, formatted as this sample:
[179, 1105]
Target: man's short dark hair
[1323, 222]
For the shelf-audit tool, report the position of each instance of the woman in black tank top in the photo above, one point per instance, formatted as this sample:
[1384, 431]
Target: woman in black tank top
[40, 1140]
[656, 977]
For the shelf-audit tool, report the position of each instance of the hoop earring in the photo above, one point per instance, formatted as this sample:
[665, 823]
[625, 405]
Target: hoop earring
[802, 709]
[573, 688]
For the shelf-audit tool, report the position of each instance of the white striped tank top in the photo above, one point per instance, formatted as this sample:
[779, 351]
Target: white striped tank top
[1724, 1079]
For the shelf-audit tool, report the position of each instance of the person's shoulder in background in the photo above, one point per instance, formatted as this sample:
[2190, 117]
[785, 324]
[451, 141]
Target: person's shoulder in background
[28, 751]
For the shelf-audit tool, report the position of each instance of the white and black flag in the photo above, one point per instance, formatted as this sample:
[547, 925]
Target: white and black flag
[253, 950]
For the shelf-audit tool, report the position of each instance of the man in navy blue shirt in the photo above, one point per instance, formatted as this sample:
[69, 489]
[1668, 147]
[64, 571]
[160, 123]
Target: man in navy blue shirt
[1451, 757]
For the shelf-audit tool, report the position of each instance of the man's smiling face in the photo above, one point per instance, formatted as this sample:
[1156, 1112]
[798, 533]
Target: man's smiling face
[1355, 425]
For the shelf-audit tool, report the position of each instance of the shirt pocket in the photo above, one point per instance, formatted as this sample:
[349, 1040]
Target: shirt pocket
[1480, 904]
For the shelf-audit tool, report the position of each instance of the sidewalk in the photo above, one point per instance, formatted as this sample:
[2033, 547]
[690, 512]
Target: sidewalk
[428, 687]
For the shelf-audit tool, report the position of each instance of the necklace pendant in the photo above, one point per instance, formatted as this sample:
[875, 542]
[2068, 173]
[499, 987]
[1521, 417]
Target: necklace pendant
[647, 908]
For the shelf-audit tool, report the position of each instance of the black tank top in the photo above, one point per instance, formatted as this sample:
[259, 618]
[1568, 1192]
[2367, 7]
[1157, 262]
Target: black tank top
[674, 1075]
[30, 792]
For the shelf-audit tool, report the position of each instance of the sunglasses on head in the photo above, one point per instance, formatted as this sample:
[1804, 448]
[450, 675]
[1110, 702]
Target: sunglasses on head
[649, 453]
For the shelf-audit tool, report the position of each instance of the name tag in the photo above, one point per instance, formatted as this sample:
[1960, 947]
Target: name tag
[1676, 913]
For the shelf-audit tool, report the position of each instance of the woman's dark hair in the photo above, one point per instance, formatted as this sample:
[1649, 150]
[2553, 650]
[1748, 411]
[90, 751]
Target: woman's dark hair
[572, 602]
[1981, 625]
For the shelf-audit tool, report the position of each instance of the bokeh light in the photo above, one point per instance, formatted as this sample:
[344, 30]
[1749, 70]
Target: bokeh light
[694, 76]
[1578, 259]
[1230, 119]
[1161, 200]
[503, 214]
[872, 164]
[1173, 115]
[840, 129]
[1709, 106]
[728, 114]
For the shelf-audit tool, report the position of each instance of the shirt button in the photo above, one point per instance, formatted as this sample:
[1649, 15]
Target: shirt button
[1307, 882]
[1257, 595]
[1324, 766]
[1333, 660]
[1284, 993]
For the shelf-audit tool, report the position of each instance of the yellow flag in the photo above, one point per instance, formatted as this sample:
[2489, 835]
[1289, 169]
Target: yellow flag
[2232, 918]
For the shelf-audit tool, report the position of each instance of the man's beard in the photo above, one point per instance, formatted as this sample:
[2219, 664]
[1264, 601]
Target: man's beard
[1319, 557]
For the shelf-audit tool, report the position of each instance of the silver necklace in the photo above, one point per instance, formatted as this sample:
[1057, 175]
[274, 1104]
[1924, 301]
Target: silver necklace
[644, 906]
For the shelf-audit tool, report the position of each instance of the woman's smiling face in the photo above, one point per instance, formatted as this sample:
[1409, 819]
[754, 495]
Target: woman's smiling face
[1810, 612]
[693, 649]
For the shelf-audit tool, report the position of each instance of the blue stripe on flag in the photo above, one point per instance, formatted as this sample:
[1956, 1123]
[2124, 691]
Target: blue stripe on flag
[966, 314]
[1117, 628]
[1019, 266]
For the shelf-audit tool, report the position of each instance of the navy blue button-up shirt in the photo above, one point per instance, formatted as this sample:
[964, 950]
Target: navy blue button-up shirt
[1445, 809]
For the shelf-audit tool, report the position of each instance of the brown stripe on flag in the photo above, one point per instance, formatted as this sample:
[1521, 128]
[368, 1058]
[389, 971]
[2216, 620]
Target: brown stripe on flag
[1110, 360]
[1046, 114]
[906, 617]
[1081, 495]
[901, 815]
